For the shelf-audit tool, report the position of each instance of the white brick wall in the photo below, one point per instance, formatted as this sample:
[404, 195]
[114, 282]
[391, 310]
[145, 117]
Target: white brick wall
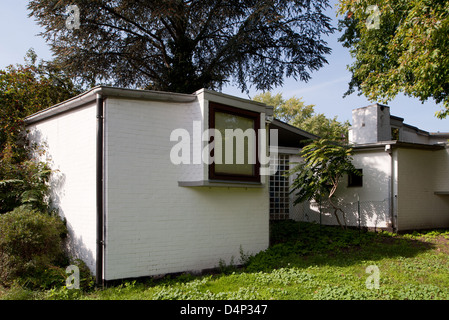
[420, 174]
[153, 226]
[71, 144]
[417, 175]
[373, 195]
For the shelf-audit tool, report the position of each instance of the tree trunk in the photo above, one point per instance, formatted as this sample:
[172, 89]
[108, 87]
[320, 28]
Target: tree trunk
[336, 208]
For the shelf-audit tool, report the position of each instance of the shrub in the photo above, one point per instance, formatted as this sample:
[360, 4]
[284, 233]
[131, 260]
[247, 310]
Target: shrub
[23, 184]
[87, 279]
[31, 247]
[283, 231]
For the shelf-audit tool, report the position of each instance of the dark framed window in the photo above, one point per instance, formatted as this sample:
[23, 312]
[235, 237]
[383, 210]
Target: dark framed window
[356, 179]
[395, 133]
[240, 162]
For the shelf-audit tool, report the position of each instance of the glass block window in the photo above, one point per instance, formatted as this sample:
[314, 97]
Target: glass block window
[279, 190]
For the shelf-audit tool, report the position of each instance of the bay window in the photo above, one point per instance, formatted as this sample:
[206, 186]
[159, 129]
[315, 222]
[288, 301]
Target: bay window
[236, 145]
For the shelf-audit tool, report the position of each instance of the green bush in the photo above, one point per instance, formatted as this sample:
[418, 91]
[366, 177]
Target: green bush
[31, 248]
[23, 184]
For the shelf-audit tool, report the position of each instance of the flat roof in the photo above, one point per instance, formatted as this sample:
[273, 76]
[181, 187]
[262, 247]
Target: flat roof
[290, 136]
[90, 96]
[399, 144]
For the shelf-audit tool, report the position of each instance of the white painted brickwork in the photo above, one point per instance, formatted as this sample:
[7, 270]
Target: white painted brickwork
[70, 143]
[421, 174]
[373, 195]
[153, 226]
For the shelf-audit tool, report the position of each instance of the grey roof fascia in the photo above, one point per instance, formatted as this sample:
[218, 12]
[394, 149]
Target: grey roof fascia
[397, 144]
[294, 129]
[91, 95]
[227, 99]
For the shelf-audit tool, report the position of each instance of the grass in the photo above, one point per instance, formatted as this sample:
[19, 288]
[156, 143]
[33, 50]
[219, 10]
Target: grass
[304, 262]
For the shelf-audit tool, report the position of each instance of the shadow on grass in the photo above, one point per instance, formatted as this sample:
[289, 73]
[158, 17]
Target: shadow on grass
[303, 244]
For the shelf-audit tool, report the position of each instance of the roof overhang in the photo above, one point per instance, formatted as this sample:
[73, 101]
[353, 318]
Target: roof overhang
[90, 96]
[290, 136]
[397, 144]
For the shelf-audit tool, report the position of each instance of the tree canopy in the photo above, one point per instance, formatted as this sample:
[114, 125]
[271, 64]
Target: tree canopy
[185, 45]
[294, 111]
[399, 46]
[25, 89]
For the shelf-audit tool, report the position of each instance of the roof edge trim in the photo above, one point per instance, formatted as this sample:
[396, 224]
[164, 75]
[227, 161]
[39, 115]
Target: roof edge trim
[105, 91]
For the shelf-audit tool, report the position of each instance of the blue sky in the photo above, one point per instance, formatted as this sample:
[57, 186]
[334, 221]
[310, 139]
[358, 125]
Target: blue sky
[18, 33]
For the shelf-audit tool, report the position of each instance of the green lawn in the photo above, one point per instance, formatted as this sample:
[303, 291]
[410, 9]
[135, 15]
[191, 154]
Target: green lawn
[304, 262]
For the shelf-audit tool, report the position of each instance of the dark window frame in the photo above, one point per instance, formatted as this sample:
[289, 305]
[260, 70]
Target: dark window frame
[355, 180]
[395, 133]
[255, 116]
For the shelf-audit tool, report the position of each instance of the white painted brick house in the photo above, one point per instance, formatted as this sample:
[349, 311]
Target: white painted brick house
[131, 211]
[405, 183]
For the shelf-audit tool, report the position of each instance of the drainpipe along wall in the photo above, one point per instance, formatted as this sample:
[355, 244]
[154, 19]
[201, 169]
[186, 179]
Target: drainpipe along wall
[389, 150]
[99, 190]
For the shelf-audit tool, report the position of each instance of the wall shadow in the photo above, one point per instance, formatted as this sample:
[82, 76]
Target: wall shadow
[75, 246]
[303, 244]
[369, 205]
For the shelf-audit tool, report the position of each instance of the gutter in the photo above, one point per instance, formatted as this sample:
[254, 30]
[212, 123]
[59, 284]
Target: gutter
[123, 93]
[397, 144]
[389, 150]
[99, 190]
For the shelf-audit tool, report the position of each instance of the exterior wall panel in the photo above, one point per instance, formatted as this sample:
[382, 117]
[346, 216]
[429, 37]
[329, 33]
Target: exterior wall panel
[374, 195]
[70, 144]
[421, 173]
[155, 226]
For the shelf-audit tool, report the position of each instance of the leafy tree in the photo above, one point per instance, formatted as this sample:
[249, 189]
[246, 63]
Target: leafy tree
[318, 176]
[328, 128]
[398, 46]
[185, 45]
[294, 111]
[25, 89]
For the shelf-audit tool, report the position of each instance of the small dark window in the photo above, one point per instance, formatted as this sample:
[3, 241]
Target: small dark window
[394, 133]
[356, 179]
